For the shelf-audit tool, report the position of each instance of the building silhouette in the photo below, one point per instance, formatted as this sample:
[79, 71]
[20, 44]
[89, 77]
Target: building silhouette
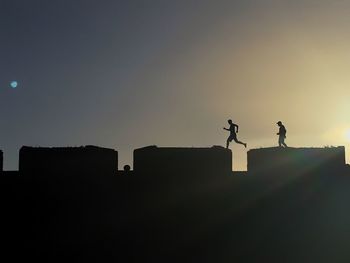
[282, 160]
[152, 159]
[178, 204]
[1, 161]
[67, 160]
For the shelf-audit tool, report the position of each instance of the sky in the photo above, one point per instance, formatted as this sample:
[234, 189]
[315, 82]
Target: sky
[127, 74]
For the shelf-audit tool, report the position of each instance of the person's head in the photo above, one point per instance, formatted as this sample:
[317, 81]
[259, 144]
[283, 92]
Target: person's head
[279, 123]
[229, 121]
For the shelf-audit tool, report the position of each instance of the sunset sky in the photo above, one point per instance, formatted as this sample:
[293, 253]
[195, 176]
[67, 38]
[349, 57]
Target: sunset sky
[127, 74]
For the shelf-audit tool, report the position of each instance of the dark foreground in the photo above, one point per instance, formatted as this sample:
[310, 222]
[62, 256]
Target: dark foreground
[193, 218]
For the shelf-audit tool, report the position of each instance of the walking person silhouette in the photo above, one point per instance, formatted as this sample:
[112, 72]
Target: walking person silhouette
[281, 134]
[233, 134]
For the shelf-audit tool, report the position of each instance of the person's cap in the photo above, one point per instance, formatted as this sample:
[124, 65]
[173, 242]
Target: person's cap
[279, 122]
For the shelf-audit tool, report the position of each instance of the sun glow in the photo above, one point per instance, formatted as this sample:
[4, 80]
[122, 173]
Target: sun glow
[347, 135]
[337, 136]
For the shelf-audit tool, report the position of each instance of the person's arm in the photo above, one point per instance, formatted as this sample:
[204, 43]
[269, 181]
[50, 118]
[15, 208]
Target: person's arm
[236, 127]
[226, 129]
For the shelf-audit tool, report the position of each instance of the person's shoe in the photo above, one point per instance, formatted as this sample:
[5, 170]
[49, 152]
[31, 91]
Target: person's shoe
[245, 145]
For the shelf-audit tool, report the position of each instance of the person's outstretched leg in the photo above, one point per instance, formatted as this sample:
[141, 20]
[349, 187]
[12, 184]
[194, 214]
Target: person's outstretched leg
[239, 142]
[227, 143]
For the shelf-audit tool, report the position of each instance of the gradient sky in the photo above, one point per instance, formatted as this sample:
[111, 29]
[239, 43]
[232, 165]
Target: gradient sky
[126, 74]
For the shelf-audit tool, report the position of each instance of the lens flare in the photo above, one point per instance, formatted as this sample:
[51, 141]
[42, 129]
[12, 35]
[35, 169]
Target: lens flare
[14, 84]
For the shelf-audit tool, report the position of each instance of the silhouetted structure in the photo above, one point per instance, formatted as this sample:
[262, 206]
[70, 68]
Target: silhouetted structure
[1, 161]
[68, 160]
[127, 168]
[179, 206]
[277, 159]
[152, 159]
[112, 218]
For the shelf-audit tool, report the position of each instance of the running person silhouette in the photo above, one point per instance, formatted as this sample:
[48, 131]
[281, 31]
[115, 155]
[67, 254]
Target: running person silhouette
[233, 134]
[281, 134]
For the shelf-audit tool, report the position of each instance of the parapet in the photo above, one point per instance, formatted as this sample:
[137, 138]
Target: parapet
[278, 159]
[153, 159]
[68, 160]
[1, 161]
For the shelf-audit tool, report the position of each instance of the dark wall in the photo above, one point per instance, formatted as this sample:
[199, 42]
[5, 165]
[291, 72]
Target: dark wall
[87, 160]
[155, 159]
[301, 218]
[296, 159]
[1, 161]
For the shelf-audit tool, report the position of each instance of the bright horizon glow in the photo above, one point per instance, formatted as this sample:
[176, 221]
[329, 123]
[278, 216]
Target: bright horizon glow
[347, 135]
